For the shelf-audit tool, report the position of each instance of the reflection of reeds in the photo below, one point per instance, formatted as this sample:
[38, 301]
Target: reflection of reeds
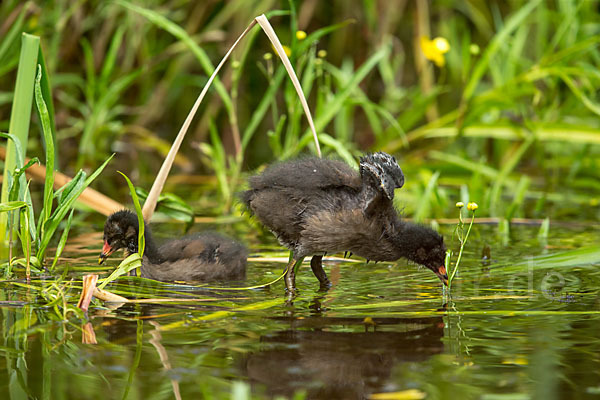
[88, 336]
[164, 357]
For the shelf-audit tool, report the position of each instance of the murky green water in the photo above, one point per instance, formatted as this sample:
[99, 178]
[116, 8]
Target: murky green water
[524, 323]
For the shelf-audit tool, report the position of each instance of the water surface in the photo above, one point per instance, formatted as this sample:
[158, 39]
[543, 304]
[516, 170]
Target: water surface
[523, 322]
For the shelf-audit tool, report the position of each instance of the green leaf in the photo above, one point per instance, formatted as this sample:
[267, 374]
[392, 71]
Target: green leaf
[20, 118]
[499, 39]
[425, 200]
[12, 205]
[339, 148]
[49, 139]
[177, 31]
[138, 211]
[132, 262]
[65, 206]
[62, 241]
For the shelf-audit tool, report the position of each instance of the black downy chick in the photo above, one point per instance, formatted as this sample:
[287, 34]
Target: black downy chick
[316, 206]
[201, 257]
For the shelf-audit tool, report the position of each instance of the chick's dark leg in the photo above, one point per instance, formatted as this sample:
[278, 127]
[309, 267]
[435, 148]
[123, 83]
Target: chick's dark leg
[290, 276]
[316, 264]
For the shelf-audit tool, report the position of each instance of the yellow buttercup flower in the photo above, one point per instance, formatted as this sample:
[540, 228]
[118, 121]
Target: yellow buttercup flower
[300, 35]
[472, 206]
[287, 50]
[435, 49]
[460, 204]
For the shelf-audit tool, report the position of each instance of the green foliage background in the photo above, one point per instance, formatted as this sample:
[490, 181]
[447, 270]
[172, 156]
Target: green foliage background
[510, 120]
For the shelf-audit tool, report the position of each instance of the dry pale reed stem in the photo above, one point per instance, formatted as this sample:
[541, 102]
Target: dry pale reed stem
[159, 182]
[264, 23]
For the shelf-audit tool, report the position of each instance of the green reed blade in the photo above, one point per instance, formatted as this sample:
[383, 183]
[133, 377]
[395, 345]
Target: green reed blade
[334, 105]
[11, 205]
[62, 241]
[184, 37]
[47, 96]
[138, 211]
[65, 206]
[132, 262]
[49, 139]
[260, 305]
[499, 39]
[425, 201]
[20, 118]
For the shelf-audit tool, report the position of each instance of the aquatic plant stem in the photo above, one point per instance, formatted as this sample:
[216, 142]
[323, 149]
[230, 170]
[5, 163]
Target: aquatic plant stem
[463, 241]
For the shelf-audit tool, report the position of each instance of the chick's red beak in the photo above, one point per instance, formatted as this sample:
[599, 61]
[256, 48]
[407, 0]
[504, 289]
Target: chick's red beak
[441, 273]
[106, 251]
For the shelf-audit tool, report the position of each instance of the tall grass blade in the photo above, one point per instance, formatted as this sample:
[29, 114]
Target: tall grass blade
[132, 262]
[163, 173]
[425, 200]
[499, 39]
[11, 35]
[11, 206]
[138, 211]
[181, 34]
[46, 89]
[266, 26]
[507, 168]
[20, 118]
[62, 241]
[544, 230]
[80, 182]
[334, 105]
[49, 139]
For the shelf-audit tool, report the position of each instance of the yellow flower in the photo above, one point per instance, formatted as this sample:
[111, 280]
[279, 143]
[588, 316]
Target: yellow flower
[267, 56]
[322, 53]
[472, 206]
[368, 321]
[300, 35]
[460, 204]
[286, 49]
[435, 49]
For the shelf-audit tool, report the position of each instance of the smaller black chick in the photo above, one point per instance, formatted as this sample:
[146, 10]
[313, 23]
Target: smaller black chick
[201, 257]
[316, 205]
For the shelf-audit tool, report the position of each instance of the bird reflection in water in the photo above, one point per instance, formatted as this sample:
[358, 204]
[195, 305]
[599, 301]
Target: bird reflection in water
[330, 364]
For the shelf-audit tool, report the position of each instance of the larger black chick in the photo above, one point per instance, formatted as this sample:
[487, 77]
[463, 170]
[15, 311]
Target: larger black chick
[201, 257]
[315, 206]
